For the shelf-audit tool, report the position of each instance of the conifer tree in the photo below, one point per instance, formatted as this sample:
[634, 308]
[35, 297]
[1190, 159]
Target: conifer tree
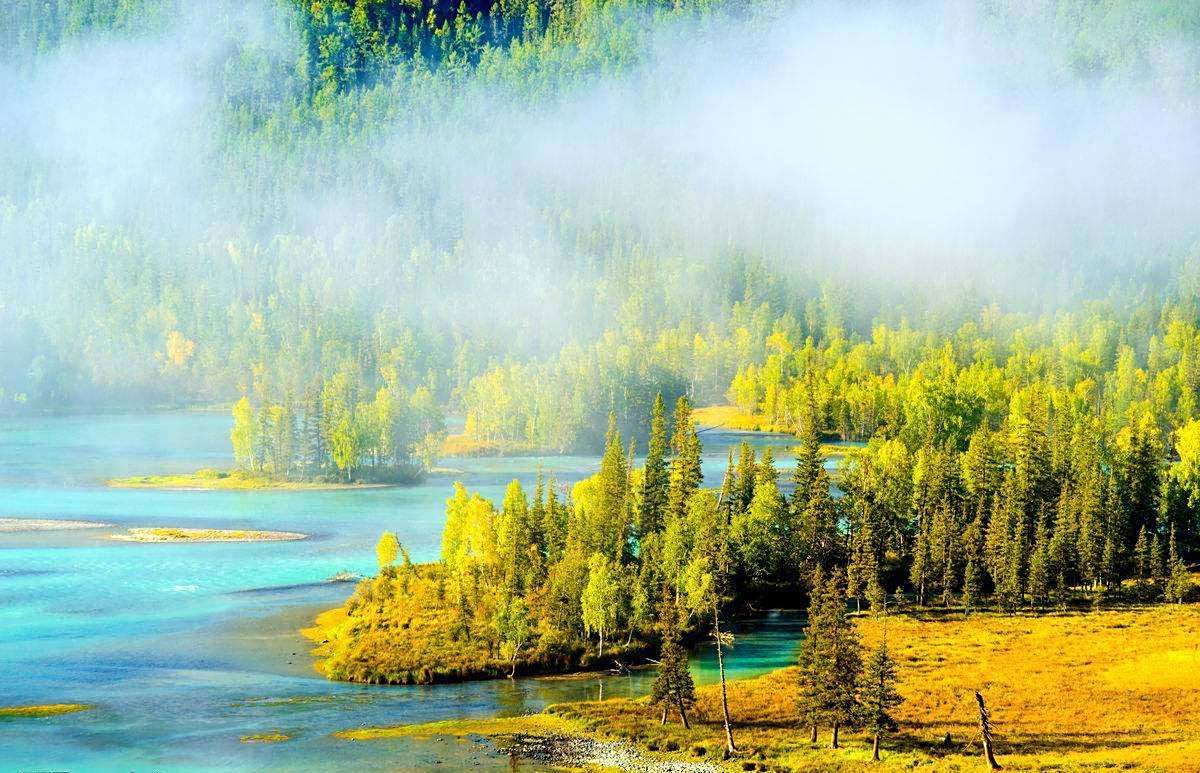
[1039, 564]
[1179, 581]
[655, 477]
[1141, 556]
[812, 646]
[685, 474]
[830, 661]
[673, 687]
[972, 585]
[879, 695]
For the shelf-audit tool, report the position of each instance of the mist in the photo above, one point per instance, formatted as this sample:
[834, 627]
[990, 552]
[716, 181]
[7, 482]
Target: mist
[876, 145]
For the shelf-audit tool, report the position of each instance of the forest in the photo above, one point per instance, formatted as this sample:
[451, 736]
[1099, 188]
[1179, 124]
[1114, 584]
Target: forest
[946, 252]
[314, 226]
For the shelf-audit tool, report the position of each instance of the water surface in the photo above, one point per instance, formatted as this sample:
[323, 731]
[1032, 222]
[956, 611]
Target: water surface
[185, 648]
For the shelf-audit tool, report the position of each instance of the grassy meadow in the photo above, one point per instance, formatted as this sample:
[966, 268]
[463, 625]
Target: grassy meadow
[1079, 691]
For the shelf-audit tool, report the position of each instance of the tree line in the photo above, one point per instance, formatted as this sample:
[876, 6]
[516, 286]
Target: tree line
[339, 429]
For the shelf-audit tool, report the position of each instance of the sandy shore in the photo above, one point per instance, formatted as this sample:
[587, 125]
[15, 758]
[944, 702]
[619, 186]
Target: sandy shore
[204, 535]
[46, 524]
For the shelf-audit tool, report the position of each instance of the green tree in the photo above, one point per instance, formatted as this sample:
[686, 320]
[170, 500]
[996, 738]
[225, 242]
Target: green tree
[879, 695]
[600, 602]
[673, 686]
[655, 475]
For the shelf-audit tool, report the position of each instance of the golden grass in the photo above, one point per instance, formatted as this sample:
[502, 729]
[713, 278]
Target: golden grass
[462, 444]
[1115, 690]
[44, 710]
[171, 534]
[273, 736]
[208, 480]
[533, 724]
[732, 417]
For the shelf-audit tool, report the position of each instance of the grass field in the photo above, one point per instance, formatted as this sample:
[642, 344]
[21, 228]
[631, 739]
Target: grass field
[1109, 690]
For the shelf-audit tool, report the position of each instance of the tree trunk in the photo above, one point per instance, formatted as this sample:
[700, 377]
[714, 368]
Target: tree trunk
[812, 736]
[985, 729]
[601, 654]
[875, 748]
[729, 746]
[833, 744]
[683, 716]
[663, 720]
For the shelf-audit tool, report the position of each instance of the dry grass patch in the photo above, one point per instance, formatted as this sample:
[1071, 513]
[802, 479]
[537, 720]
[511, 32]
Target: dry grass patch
[273, 736]
[44, 710]
[1114, 689]
[171, 534]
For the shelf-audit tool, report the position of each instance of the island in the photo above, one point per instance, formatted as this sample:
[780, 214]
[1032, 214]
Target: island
[172, 534]
[42, 710]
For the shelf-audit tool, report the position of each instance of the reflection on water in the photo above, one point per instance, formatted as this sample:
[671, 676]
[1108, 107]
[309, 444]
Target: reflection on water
[184, 649]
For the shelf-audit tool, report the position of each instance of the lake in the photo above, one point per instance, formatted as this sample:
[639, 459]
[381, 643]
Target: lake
[185, 648]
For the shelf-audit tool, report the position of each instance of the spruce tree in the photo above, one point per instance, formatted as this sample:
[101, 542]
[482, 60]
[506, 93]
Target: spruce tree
[685, 474]
[830, 661]
[879, 695]
[808, 694]
[838, 671]
[1179, 581]
[673, 687]
[655, 477]
[972, 585]
[1141, 556]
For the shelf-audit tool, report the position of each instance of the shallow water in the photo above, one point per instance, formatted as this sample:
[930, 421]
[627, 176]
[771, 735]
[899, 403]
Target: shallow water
[183, 649]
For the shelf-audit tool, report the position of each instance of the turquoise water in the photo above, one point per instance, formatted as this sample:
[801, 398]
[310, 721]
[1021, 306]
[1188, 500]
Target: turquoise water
[184, 648]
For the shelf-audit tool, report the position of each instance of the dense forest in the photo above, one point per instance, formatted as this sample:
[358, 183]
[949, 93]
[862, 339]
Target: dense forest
[1046, 511]
[250, 199]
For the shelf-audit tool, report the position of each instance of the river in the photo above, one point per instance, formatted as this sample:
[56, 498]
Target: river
[185, 648]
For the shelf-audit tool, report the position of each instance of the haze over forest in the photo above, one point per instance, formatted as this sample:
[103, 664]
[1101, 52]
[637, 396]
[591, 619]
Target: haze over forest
[202, 201]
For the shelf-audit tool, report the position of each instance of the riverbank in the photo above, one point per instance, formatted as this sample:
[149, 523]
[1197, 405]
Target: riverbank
[1073, 691]
[210, 480]
[411, 639]
[168, 534]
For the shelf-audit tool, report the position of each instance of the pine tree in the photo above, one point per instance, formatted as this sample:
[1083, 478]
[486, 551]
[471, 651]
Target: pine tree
[744, 480]
[830, 661]
[685, 473]
[879, 695]
[1141, 556]
[812, 646]
[673, 686]
[1158, 561]
[1039, 564]
[655, 477]
[1179, 581]
[972, 585]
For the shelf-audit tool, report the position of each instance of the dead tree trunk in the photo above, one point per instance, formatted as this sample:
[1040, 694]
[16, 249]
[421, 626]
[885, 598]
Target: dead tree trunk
[985, 729]
[729, 747]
